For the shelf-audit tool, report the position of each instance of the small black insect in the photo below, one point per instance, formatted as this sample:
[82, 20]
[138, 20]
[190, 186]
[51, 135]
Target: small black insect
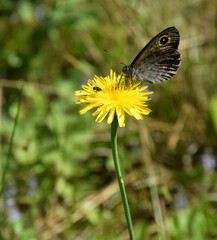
[97, 89]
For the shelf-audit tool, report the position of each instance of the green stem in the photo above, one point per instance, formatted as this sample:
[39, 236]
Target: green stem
[5, 166]
[114, 128]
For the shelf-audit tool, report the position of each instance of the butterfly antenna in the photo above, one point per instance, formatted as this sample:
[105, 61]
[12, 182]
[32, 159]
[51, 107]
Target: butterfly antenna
[114, 57]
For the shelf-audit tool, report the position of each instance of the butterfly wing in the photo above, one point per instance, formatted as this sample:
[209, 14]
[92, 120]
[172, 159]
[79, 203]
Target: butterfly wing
[159, 60]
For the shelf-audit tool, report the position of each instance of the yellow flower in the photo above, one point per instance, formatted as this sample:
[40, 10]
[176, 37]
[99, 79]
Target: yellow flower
[112, 95]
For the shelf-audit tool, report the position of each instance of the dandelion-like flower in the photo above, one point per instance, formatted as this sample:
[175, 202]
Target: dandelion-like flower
[113, 95]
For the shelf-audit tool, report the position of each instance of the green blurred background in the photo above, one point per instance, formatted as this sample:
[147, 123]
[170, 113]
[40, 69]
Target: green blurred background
[57, 174]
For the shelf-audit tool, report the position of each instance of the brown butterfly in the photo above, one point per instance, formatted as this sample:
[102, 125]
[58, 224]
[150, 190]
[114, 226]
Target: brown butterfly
[159, 60]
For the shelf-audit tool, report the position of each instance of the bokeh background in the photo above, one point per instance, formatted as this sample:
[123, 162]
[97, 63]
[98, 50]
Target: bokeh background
[57, 174]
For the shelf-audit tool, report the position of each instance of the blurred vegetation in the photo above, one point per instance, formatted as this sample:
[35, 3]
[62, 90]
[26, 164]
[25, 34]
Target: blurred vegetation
[57, 175]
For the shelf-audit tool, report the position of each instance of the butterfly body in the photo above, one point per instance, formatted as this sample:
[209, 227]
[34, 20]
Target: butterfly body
[159, 60]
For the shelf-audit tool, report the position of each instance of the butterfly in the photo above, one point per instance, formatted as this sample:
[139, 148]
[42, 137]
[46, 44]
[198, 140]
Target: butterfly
[159, 60]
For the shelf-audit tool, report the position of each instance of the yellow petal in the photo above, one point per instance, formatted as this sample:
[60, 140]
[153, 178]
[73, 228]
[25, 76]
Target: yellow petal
[120, 116]
[111, 116]
[87, 108]
[101, 116]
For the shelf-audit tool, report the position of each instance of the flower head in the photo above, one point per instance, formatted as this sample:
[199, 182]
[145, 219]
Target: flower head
[113, 95]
